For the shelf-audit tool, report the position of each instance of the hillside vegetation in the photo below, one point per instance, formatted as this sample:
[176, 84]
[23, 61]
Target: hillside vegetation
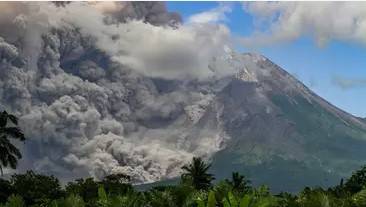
[195, 189]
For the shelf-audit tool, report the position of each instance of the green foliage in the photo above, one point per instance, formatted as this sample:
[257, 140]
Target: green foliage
[196, 174]
[103, 200]
[161, 198]
[357, 181]
[193, 197]
[222, 189]
[359, 199]
[287, 200]
[211, 200]
[87, 189]
[230, 200]
[72, 201]
[245, 201]
[15, 201]
[117, 184]
[35, 188]
[9, 154]
[6, 189]
[248, 200]
[239, 183]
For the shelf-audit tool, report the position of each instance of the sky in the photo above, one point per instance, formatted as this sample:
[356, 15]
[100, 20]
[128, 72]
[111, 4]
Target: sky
[335, 68]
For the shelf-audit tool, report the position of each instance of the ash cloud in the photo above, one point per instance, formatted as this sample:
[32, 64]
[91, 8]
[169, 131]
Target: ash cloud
[165, 52]
[154, 13]
[81, 84]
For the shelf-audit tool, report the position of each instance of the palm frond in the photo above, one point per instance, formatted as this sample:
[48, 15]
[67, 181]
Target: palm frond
[14, 132]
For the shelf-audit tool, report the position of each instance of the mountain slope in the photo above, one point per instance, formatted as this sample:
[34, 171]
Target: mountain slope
[275, 130]
[281, 132]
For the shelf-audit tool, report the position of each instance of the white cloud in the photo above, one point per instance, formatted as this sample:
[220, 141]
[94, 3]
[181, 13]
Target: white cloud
[214, 15]
[348, 83]
[324, 21]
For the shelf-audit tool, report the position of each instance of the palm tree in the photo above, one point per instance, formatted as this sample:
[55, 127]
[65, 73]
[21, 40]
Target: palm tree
[239, 182]
[9, 154]
[196, 173]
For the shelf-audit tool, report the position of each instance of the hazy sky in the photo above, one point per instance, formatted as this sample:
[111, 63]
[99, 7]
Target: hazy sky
[330, 61]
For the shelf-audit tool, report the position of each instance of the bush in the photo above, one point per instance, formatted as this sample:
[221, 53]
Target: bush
[35, 188]
[15, 201]
[6, 190]
[87, 189]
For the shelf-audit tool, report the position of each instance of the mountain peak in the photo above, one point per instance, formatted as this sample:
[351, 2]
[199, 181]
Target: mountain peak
[256, 57]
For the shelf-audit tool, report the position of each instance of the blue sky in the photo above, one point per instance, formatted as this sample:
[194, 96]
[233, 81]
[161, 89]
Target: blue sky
[317, 67]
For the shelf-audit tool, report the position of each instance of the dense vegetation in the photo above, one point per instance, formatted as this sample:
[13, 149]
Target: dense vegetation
[195, 189]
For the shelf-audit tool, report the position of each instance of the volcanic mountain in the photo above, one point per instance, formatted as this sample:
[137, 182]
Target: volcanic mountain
[281, 132]
[277, 131]
[85, 114]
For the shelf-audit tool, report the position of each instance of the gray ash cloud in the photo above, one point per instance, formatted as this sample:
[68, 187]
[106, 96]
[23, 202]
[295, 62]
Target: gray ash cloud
[84, 106]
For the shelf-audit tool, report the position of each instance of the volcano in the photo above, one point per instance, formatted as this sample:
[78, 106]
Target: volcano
[84, 114]
[282, 132]
[275, 130]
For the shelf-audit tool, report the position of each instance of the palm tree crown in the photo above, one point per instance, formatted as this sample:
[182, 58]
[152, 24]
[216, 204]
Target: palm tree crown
[196, 173]
[239, 182]
[9, 154]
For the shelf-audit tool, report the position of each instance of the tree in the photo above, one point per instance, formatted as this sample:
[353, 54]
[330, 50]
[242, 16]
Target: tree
[357, 181]
[196, 173]
[35, 188]
[86, 189]
[313, 197]
[69, 201]
[117, 184]
[9, 154]
[359, 199]
[15, 201]
[239, 182]
[5, 190]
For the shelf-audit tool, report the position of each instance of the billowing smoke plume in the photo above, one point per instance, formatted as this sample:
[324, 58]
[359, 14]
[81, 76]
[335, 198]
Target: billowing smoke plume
[79, 77]
[154, 13]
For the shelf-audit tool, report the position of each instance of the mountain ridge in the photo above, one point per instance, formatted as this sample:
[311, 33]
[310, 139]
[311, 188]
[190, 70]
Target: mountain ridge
[327, 173]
